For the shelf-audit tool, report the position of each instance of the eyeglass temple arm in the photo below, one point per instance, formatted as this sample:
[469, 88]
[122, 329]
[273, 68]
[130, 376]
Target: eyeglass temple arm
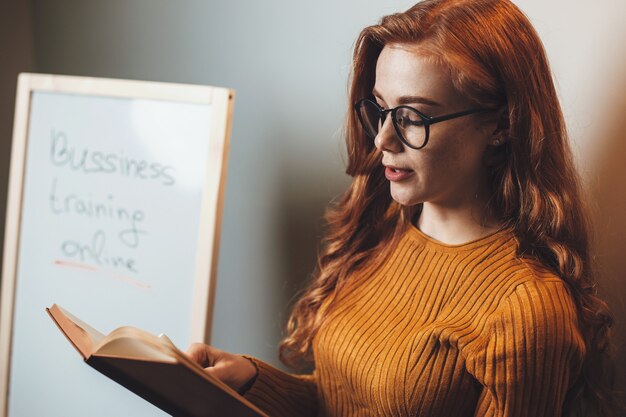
[455, 115]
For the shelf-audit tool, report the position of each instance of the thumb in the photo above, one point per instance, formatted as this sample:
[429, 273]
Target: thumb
[202, 354]
[218, 371]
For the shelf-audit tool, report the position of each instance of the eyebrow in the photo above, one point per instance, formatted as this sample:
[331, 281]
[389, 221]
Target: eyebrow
[410, 99]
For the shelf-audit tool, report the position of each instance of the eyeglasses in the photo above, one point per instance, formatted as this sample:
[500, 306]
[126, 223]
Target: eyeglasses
[411, 125]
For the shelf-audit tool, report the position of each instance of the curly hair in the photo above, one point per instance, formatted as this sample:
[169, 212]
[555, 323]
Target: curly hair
[496, 59]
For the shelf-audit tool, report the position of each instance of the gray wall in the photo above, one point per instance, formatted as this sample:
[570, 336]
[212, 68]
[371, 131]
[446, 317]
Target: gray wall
[289, 61]
[16, 55]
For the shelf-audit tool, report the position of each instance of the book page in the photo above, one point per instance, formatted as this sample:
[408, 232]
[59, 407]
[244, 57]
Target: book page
[80, 334]
[133, 343]
[94, 335]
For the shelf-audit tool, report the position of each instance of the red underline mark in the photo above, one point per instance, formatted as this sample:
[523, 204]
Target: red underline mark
[76, 265]
[128, 280]
[131, 281]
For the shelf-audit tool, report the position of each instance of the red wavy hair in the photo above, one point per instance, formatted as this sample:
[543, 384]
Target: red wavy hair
[496, 59]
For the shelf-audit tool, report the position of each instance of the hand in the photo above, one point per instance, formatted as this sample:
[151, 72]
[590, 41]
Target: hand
[234, 370]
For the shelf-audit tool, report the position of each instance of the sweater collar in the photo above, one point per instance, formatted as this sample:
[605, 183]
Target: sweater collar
[501, 237]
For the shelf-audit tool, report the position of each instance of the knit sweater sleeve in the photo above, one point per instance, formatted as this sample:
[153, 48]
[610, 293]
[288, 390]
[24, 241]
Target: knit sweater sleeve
[281, 394]
[532, 353]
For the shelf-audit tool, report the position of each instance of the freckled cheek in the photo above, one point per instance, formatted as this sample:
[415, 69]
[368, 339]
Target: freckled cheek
[436, 165]
[449, 153]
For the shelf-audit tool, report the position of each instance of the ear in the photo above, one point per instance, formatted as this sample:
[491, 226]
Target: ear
[500, 134]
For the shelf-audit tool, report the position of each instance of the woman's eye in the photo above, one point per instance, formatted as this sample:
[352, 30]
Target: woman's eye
[409, 120]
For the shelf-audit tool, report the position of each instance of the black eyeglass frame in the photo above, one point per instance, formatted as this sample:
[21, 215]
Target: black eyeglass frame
[382, 114]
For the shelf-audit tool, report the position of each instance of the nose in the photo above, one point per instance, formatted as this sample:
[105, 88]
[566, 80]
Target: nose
[387, 138]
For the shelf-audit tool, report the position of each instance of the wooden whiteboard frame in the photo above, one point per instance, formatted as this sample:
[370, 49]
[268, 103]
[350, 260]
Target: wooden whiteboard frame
[222, 102]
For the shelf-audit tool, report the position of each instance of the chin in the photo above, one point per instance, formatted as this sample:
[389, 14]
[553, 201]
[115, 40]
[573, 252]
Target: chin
[405, 197]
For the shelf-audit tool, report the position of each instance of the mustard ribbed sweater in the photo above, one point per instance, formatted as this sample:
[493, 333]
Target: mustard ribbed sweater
[438, 330]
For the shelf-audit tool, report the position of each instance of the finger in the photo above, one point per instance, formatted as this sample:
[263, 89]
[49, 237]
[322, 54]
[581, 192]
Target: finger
[219, 371]
[201, 354]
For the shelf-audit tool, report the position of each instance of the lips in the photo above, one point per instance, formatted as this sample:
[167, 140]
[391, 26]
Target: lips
[397, 168]
[397, 174]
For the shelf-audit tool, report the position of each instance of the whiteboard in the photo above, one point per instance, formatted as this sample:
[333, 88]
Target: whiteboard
[114, 208]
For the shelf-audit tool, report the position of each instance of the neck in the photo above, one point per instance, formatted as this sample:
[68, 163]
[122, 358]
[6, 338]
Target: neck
[465, 219]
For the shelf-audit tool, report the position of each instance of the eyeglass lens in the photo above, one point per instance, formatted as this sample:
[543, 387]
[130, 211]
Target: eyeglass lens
[408, 122]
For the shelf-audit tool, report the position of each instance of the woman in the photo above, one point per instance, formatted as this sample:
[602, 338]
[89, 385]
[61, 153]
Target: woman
[455, 277]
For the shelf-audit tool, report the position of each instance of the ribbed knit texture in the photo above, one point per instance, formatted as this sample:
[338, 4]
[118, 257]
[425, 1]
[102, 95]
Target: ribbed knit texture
[438, 330]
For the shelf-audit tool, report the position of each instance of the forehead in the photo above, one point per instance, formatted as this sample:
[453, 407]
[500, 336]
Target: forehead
[401, 69]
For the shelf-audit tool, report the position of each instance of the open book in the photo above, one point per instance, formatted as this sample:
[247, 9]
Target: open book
[153, 368]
